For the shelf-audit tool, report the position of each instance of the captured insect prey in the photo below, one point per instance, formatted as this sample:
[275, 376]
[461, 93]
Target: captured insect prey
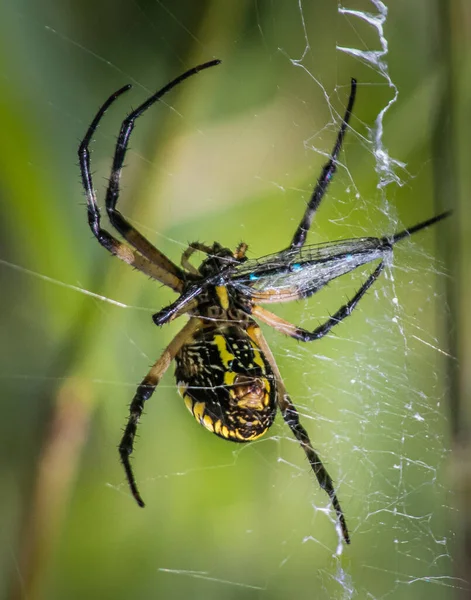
[225, 370]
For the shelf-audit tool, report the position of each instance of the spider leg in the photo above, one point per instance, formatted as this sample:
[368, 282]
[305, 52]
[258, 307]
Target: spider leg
[192, 248]
[136, 239]
[405, 233]
[240, 251]
[186, 301]
[144, 392]
[328, 171]
[291, 417]
[117, 248]
[303, 335]
[239, 254]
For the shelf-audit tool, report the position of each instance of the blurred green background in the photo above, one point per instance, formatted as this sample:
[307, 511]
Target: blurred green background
[230, 155]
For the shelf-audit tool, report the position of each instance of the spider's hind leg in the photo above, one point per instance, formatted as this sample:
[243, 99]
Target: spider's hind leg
[291, 417]
[144, 391]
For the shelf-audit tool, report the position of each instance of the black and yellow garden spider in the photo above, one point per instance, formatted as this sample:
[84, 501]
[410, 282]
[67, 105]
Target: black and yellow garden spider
[225, 370]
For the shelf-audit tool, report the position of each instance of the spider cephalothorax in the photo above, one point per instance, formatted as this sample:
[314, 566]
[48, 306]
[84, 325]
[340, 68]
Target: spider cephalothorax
[225, 370]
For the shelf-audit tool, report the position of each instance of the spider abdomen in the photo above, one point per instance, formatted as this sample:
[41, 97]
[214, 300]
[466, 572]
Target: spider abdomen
[227, 383]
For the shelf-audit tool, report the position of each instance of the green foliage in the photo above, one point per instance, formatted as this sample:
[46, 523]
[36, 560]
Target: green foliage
[228, 157]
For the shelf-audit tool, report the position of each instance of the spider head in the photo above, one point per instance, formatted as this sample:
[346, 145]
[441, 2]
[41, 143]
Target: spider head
[219, 258]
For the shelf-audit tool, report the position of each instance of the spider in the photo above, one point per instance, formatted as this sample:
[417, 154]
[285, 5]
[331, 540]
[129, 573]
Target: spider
[225, 370]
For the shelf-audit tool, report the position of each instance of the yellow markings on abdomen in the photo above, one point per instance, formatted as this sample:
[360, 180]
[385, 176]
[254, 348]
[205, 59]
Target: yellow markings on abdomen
[238, 407]
[223, 296]
[254, 436]
[257, 357]
[226, 357]
[225, 354]
[188, 403]
[197, 409]
[208, 423]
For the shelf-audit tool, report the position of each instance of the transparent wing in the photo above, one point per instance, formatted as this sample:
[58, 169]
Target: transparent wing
[298, 273]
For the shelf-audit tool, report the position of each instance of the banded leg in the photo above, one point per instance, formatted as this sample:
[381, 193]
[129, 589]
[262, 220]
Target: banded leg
[328, 171]
[303, 335]
[136, 239]
[240, 251]
[144, 391]
[114, 246]
[291, 417]
[192, 248]
[238, 254]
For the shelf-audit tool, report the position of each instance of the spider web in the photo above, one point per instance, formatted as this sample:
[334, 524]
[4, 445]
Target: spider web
[234, 157]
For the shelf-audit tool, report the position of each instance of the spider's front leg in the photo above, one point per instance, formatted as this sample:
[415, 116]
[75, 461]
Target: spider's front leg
[183, 304]
[144, 392]
[186, 302]
[130, 233]
[328, 171]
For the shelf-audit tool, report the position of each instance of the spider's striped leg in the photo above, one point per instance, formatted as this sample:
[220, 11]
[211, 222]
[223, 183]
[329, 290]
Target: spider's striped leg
[117, 248]
[144, 392]
[328, 171]
[192, 248]
[308, 336]
[136, 239]
[240, 251]
[291, 417]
